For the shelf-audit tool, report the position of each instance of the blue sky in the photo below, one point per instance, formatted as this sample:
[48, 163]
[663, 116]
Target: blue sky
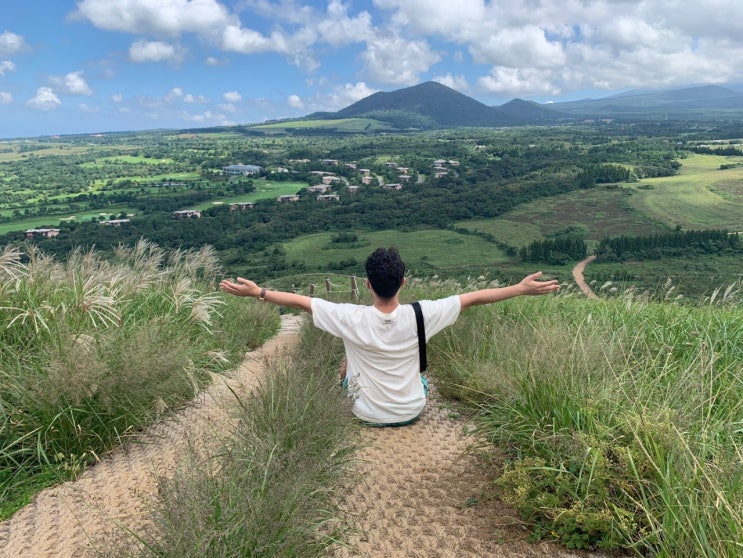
[88, 66]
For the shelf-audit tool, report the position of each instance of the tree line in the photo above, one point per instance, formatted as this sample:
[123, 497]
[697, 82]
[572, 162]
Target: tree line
[676, 243]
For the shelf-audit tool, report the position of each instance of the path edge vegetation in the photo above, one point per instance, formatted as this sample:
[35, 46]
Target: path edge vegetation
[616, 423]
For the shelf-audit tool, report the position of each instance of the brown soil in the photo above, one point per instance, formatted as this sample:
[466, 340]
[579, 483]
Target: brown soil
[422, 494]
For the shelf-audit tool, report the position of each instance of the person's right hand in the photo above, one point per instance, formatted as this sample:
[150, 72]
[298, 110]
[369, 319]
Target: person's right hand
[240, 287]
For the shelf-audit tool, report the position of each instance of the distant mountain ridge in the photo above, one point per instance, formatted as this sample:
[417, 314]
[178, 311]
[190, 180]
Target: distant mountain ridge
[432, 105]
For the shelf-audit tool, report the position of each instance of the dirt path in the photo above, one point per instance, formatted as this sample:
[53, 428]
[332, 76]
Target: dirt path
[70, 519]
[578, 276]
[421, 494]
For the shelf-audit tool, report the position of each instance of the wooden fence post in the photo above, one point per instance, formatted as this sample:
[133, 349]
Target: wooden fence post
[312, 289]
[354, 288]
[327, 286]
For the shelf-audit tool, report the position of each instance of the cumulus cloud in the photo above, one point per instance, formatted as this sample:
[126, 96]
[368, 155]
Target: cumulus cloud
[154, 51]
[212, 61]
[398, 61]
[73, 83]
[576, 44]
[295, 101]
[198, 99]
[117, 97]
[347, 94]
[338, 28]
[455, 82]
[156, 17]
[174, 94]
[5, 98]
[232, 96]
[514, 81]
[45, 99]
[207, 117]
[11, 43]
[6, 66]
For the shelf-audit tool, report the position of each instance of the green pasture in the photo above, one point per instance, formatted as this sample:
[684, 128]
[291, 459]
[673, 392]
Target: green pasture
[53, 221]
[264, 189]
[150, 179]
[127, 160]
[48, 150]
[596, 214]
[701, 196]
[348, 125]
[426, 249]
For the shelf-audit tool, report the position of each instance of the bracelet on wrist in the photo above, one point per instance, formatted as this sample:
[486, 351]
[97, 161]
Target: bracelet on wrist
[262, 296]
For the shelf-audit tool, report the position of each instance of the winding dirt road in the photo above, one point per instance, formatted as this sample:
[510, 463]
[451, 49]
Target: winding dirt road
[580, 281]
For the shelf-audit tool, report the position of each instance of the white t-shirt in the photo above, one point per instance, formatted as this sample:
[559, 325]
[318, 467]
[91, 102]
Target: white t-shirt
[382, 352]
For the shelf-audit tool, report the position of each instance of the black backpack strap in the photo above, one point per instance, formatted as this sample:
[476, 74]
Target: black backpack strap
[421, 336]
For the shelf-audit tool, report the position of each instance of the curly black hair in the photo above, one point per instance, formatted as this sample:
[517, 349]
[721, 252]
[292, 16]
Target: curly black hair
[385, 271]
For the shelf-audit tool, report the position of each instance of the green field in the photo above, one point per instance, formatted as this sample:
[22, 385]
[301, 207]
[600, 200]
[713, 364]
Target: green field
[701, 196]
[346, 125]
[595, 214]
[424, 250]
[264, 189]
[55, 220]
[127, 160]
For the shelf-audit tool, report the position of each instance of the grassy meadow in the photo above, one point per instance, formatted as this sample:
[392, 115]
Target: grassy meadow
[340, 125]
[77, 338]
[424, 250]
[701, 196]
[616, 425]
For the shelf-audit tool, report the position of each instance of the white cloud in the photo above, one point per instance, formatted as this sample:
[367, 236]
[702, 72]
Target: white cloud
[458, 83]
[227, 107]
[45, 99]
[6, 66]
[117, 97]
[5, 98]
[232, 96]
[337, 28]
[345, 95]
[458, 19]
[154, 51]
[156, 17]
[395, 60]
[514, 81]
[212, 61]
[576, 44]
[87, 108]
[198, 99]
[11, 43]
[174, 94]
[73, 83]
[207, 117]
[295, 101]
[518, 47]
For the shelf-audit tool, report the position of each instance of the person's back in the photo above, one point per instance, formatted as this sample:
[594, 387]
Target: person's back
[381, 341]
[382, 354]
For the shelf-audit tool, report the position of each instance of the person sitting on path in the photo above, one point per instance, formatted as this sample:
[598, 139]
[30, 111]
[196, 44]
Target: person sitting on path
[381, 341]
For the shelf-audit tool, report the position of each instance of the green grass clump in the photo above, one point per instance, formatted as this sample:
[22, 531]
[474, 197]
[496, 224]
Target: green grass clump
[619, 422]
[93, 350]
[273, 485]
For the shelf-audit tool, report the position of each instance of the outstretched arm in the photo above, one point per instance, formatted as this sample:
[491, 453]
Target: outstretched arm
[245, 287]
[528, 286]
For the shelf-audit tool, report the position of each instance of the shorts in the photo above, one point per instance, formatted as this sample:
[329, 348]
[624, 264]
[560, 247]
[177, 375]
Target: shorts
[344, 385]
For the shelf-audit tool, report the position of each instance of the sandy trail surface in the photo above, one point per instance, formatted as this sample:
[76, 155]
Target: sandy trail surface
[420, 494]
